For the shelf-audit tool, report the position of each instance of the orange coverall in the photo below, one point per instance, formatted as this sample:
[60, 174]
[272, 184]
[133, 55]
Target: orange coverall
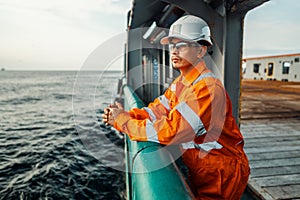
[195, 112]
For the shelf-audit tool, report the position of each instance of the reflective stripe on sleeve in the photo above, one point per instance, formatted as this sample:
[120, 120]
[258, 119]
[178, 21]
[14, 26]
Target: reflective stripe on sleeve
[188, 145]
[192, 118]
[151, 132]
[151, 114]
[208, 146]
[164, 101]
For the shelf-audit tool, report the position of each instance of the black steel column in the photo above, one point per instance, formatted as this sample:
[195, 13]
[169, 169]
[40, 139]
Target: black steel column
[233, 45]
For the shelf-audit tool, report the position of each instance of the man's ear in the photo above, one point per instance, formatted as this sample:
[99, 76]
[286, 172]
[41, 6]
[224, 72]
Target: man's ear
[202, 51]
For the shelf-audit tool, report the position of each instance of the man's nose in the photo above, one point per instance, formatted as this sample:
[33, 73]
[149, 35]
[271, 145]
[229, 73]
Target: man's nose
[174, 50]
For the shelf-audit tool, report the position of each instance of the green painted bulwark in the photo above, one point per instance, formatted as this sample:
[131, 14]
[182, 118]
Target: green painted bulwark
[145, 178]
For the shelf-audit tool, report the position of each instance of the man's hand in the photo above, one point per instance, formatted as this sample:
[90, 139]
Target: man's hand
[111, 113]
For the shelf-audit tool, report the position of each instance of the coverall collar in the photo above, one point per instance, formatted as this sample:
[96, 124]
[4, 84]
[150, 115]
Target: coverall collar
[194, 73]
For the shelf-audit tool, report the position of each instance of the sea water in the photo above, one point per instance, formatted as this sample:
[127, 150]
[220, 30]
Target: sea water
[43, 154]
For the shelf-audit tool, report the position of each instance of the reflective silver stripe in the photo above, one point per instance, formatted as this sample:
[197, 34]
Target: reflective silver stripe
[208, 146]
[192, 118]
[201, 131]
[164, 101]
[202, 76]
[188, 145]
[173, 87]
[151, 114]
[151, 132]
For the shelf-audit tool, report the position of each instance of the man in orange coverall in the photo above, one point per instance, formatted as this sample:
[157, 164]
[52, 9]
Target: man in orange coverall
[195, 112]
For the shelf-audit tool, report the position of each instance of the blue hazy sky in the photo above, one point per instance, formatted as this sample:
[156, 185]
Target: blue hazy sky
[61, 34]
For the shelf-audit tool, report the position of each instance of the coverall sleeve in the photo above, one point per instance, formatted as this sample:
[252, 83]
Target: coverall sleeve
[188, 117]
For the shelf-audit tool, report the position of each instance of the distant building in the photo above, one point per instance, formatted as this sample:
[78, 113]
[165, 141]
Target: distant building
[280, 67]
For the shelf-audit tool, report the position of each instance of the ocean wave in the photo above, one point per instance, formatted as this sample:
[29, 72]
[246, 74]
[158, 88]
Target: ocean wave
[18, 101]
[42, 154]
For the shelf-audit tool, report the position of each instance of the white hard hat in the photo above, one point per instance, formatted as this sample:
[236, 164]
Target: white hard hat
[189, 28]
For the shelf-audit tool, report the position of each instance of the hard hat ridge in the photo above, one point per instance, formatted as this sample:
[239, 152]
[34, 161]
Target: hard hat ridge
[189, 28]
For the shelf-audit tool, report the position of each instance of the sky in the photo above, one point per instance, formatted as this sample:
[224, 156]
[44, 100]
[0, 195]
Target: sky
[272, 29]
[61, 34]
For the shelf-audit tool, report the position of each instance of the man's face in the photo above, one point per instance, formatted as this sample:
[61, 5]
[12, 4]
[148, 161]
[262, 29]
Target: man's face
[183, 54]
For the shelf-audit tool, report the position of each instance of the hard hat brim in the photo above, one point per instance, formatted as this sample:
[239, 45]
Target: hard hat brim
[166, 40]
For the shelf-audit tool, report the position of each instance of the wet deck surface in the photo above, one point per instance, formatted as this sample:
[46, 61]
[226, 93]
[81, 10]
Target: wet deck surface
[270, 123]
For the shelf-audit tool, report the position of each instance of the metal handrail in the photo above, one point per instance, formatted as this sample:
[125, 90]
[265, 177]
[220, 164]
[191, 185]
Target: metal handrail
[162, 183]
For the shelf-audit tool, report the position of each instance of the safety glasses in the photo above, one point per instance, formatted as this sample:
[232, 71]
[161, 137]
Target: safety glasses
[182, 45]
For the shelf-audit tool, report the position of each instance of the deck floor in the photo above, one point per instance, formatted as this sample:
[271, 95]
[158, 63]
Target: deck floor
[270, 123]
